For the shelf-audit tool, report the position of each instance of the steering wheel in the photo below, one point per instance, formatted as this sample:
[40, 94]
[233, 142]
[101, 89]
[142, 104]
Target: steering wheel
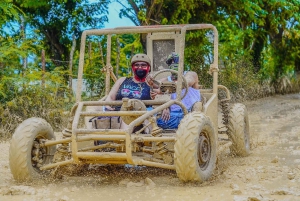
[170, 86]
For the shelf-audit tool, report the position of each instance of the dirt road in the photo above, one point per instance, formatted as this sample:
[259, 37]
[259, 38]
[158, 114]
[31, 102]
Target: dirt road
[271, 172]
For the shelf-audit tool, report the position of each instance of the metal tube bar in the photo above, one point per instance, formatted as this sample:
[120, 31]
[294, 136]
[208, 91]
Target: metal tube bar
[52, 165]
[137, 29]
[142, 118]
[152, 139]
[100, 131]
[215, 82]
[54, 142]
[114, 113]
[74, 127]
[154, 164]
[106, 162]
[146, 29]
[209, 102]
[101, 102]
[108, 54]
[100, 137]
[73, 110]
[101, 155]
[109, 144]
[181, 61]
[226, 90]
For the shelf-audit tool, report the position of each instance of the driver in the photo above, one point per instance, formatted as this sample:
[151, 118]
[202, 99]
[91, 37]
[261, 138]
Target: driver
[172, 116]
[133, 87]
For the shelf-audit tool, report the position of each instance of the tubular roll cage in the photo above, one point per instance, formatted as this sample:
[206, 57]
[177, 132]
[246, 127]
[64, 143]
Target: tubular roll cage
[147, 29]
[126, 134]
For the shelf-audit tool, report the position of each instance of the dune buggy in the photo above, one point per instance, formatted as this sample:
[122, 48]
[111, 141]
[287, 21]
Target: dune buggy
[191, 150]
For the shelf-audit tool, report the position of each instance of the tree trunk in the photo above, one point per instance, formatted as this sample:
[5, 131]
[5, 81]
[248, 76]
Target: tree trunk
[23, 33]
[101, 54]
[71, 68]
[89, 53]
[132, 53]
[43, 68]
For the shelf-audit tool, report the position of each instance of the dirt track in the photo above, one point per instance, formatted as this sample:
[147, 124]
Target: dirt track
[271, 172]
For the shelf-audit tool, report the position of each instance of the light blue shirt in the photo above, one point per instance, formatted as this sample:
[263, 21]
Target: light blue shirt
[192, 96]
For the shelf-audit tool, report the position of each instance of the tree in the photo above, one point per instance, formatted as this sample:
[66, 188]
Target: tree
[58, 20]
[246, 28]
[8, 11]
[13, 45]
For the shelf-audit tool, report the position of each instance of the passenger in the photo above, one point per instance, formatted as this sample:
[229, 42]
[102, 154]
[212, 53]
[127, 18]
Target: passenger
[171, 117]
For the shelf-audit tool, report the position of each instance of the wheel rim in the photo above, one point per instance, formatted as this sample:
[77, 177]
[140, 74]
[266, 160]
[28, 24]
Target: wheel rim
[204, 150]
[38, 153]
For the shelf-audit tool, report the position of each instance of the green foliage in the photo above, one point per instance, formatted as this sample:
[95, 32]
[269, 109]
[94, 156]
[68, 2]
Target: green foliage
[26, 97]
[57, 20]
[266, 32]
[32, 3]
[94, 69]
[8, 11]
[143, 12]
[16, 47]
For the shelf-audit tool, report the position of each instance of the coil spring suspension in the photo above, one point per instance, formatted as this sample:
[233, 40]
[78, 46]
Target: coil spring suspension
[225, 110]
[162, 149]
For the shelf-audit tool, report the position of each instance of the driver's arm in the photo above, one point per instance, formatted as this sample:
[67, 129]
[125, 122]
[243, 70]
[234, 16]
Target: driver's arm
[113, 92]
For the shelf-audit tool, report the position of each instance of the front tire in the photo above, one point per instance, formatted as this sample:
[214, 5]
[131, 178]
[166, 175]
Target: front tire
[238, 130]
[195, 148]
[25, 153]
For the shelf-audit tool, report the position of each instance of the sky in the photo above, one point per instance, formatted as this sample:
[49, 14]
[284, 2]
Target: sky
[113, 17]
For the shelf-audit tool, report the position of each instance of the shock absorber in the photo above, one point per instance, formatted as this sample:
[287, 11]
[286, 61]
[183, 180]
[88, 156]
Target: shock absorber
[161, 146]
[225, 110]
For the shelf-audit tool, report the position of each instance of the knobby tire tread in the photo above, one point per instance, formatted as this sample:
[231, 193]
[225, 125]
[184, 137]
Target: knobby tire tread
[238, 123]
[185, 148]
[21, 146]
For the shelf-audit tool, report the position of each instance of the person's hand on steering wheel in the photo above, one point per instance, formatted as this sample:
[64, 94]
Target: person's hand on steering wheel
[151, 82]
[153, 94]
[173, 72]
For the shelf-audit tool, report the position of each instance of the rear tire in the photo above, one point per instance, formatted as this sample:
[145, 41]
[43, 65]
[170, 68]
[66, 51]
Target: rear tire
[195, 148]
[24, 147]
[238, 130]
